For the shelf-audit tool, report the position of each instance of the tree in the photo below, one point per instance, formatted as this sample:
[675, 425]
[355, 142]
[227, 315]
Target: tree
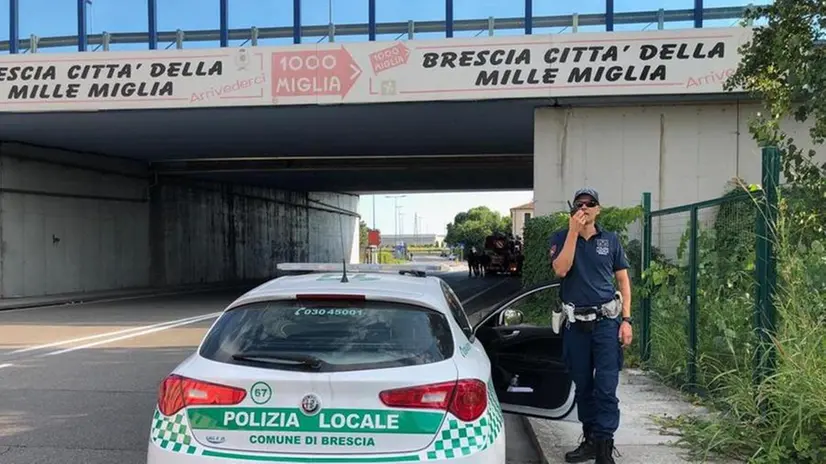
[784, 67]
[363, 231]
[471, 227]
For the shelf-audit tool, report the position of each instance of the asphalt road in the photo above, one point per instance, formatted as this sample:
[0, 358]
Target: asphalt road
[78, 383]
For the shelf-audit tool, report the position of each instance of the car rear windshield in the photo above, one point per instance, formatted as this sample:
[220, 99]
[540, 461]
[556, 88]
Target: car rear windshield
[329, 335]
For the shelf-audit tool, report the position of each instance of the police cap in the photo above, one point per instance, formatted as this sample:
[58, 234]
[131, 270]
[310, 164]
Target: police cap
[587, 191]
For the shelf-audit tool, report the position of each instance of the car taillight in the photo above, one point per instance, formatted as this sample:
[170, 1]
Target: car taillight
[434, 396]
[177, 392]
[466, 399]
[470, 400]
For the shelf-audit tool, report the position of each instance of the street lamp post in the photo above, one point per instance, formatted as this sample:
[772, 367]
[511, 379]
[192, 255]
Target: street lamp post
[396, 214]
[416, 228]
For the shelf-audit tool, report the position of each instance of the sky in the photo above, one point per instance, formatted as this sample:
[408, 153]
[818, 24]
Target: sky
[47, 18]
[58, 17]
[435, 210]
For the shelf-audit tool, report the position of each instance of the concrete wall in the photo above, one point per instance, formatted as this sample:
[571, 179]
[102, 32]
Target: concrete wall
[681, 154]
[332, 236]
[79, 223]
[66, 228]
[212, 232]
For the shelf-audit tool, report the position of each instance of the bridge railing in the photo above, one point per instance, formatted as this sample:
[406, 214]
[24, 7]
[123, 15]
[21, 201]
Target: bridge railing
[251, 36]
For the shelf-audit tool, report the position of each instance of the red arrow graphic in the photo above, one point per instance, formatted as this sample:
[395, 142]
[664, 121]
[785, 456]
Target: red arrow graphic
[313, 72]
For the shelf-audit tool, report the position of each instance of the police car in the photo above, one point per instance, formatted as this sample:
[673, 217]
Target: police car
[376, 364]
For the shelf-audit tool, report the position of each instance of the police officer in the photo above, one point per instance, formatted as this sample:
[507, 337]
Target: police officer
[587, 259]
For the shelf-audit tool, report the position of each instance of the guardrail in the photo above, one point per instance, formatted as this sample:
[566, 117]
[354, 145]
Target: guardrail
[371, 29]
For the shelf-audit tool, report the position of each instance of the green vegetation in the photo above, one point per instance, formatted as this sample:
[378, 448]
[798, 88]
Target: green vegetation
[725, 292]
[471, 227]
[385, 254]
[425, 247]
[783, 418]
[430, 249]
[386, 257]
[783, 67]
[780, 418]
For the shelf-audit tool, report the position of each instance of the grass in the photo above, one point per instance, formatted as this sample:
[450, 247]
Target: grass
[781, 419]
[386, 257]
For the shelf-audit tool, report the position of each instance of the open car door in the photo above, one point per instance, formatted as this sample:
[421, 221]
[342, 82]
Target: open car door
[527, 368]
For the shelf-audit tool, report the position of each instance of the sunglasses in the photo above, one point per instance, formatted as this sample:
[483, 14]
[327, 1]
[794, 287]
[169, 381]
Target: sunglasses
[580, 204]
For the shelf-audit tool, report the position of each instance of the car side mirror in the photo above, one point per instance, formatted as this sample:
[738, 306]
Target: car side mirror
[511, 317]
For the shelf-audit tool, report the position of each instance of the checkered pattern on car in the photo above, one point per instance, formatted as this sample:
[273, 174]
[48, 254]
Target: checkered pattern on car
[458, 439]
[494, 412]
[172, 433]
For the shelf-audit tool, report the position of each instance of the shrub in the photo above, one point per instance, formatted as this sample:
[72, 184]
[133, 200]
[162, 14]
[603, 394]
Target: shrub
[783, 418]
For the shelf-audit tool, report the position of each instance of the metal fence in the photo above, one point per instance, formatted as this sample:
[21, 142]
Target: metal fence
[709, 278]
[371, 29]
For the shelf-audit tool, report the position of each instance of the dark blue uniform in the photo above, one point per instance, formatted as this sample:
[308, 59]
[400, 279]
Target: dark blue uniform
[595, 358]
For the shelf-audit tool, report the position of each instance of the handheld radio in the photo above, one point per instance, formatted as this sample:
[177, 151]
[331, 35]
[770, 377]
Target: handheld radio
[571, 207]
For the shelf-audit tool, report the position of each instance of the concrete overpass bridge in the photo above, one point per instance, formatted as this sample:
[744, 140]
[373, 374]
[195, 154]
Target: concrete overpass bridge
[136, 168]
[394, 123]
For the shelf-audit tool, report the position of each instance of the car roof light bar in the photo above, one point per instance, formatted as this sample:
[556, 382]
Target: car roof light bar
[364, 268]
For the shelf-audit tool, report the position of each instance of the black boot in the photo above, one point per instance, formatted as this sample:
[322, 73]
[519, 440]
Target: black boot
[586, 451]
[605, 452]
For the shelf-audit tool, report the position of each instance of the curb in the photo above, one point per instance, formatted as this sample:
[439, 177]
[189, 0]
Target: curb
[526, 422]
[8, 304]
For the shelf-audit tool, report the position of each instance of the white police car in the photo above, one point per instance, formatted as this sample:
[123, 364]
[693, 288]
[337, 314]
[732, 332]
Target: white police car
[382, 368]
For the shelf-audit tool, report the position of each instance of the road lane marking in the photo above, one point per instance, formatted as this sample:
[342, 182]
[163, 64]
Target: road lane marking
[101, 335]
[6, 365]
[133, 335]
[477, 295]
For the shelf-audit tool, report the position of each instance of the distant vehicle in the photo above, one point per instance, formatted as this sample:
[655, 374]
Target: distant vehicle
[504, 255]
[377, 367]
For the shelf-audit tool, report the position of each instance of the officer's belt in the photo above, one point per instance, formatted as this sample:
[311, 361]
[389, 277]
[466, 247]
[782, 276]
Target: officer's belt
[593, 313]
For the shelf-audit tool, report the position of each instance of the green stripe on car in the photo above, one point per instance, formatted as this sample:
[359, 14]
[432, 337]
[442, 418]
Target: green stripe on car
[329, 420]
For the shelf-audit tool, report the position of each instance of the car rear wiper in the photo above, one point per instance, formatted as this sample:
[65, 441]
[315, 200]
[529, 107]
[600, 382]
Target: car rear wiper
[291, 359]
